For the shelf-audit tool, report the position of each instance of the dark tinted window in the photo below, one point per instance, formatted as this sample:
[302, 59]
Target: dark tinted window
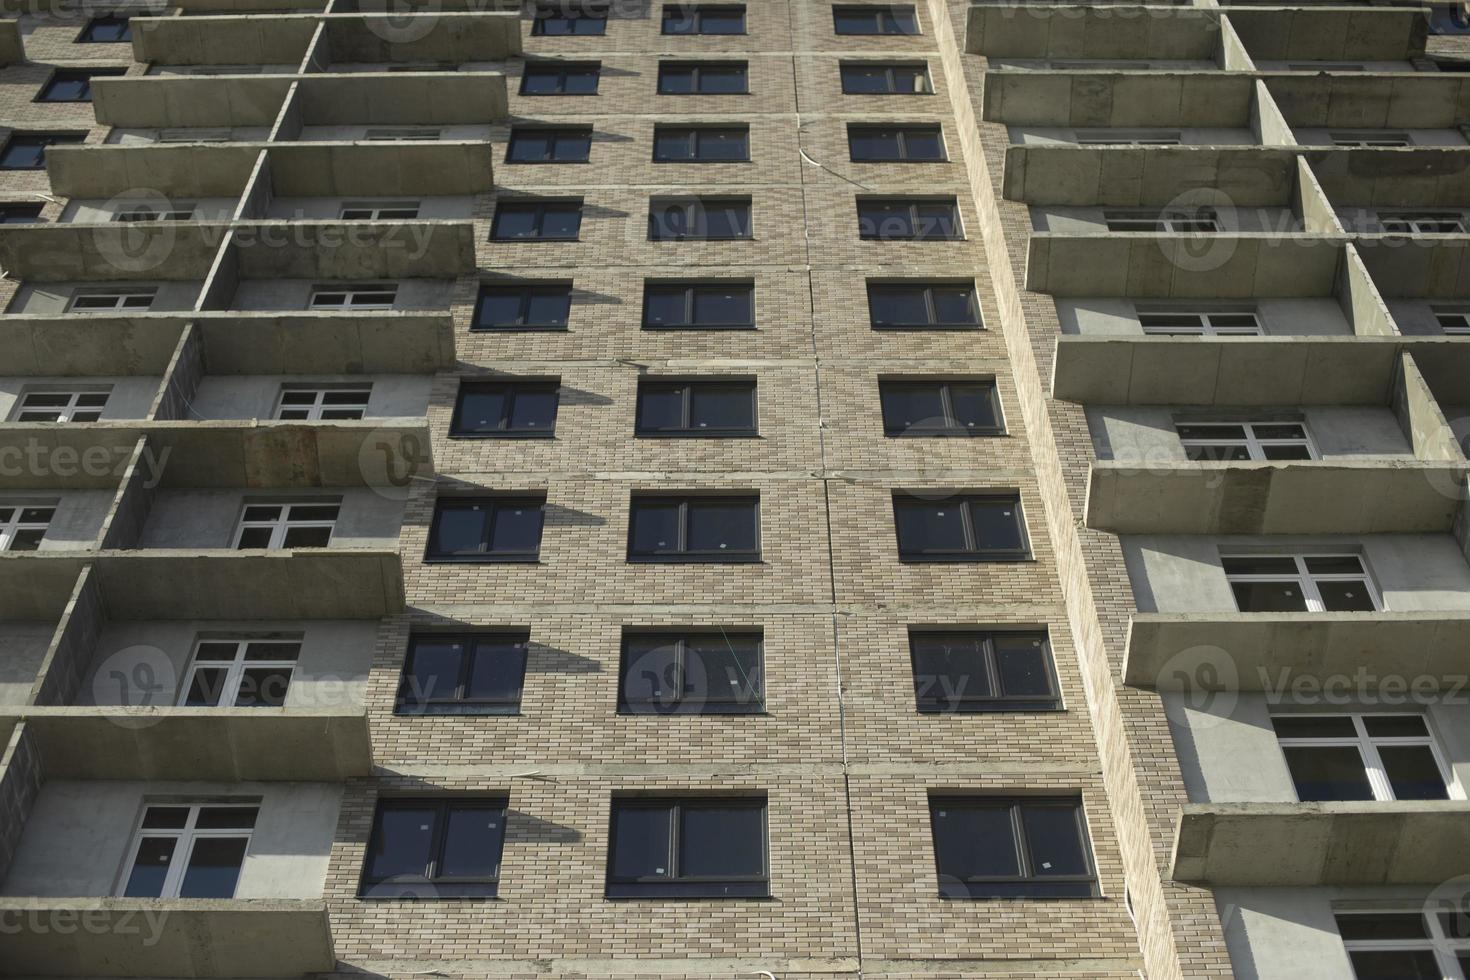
[560, 78]
[19, 214]
[694, 529]
[73, 85]
[568, 18]
[537, 220]
[522, 308]
[702, 78]
[538, 145]
[922, 407]
[486, 529]
[708, 407]
[433, 847]
[885, 79]
[714, 672]
[27, 151]
[109, 29]
[900, 219]
[974, 671]
[704, 18]
[687, 848]
[963, 527]
[701, 144]
[461, 674]
[505, 408]
[699, 305]
[986, 847]
[703, 219]
[923, 305]
[921, 143]
[875, 20]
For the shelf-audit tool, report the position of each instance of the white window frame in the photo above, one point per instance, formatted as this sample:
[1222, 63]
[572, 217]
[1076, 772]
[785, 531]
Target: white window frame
[10, 528]
[69, 411]
[143, 213]
[1370, 137]
[1097, 64]
[350, 293]
[318, 406]
[123, 299]
[1419, 222]
[1128, 137]
[1444, 947]
[283, 523]
[1254, 443]
[187, 836]
[195, 134]
[1165, 221]
[1209, 323]
[375, 210]
[1305, 580]
[1367, 746]
[390, 134]
[235, 667]
[1461, 314]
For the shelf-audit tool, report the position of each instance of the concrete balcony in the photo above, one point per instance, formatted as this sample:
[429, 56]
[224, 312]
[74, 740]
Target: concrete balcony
[444, 36]
[277, 39]
[127, 937]
[352, 250]
[369, 342]
[1116, 31]
[1375, 100]
[89, 346]
[12, 45]
[1410, 177]
[187, 170]
[1303, 844]
[1254, 650]
[1360, 496]
[1092, 98]
[1146, 176]
[111, 251]
[1329, 33]
[187, 101]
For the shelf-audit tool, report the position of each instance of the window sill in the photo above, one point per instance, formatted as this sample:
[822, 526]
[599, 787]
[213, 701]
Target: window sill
[963, 559]
[697, 435]
[680, 560]
[624, 711]
[502, 435]
[699, 326]
[546, 163]
[474, 329]
[702, 162]
[945, 434]
[951, 327]
[482, 560]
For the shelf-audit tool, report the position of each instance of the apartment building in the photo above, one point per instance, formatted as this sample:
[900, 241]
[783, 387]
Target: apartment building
[796, 488]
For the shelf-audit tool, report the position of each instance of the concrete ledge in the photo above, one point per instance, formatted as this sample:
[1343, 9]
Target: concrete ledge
[216, 744]
[89, 346]
[1377, 100]
[122, 937]
[278, 39]
[1252, 651]
[1370, 496]
[1393, 176]
[1022, 30]
[1435, 267]
[167, 101]
[326, 169]
[1329, 32]
[185, 170]
[172, 250]
[1285, 844]
[38, 591]
[377, 342]
[446, 35]
[403, 98]
[12, 45]
[354, 249]
[1129, 176]
[1205, 98]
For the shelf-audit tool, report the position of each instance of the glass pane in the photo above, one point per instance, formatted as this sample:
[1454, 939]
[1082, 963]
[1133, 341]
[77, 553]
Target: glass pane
[678, 20]
[226, 817]
[472, 837]
[561, 222]
[655, 527]
[496, 671]
[1021, 665]
[974, 842]
[885, 220]
[534, 409]
[460, 530]
[912, 407]
[403, 842]
[549, 308]
[582, 81]
[1280, 430]
[651, 670]
[954, 305]
[1236, 432]
[930, 526]
[1406, 964]
[723, 306]
[539, 82]
[27, 540]
[723, 144]
[1382, 925]
[263, 687]
[864, 80]
[516, 222]
[528, 147]
[663, 307]
[724, 669]
[517, 529]
[676, 81]
[997, 525]
[974, 405]
[722, 526]
[1221, 454]
[569, 147]
[214, 867]
[1258, 565]
[1335, 565]
[1286, 452]
[433, 670]
[307, 537]
[1054, 839]
[1395, 726]
[923, 144]
[722, 22]
[714, 406]
[1346, 596]
[1412, 772]
[150, 867]
[641, 842]
[206, 687]
[948, 667]
[721, 842]
[480, 409]
[873, 144]
[166, 817]
[1313, 726]
[498, 309]
[673, 144]
[661, 408]
[1328, 773]
[722, 80]
[262, 512]
[897, 306]
[1269, 597]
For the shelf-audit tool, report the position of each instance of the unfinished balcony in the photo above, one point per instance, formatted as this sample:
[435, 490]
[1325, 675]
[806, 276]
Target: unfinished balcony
[1371, 39]
[1131, 36]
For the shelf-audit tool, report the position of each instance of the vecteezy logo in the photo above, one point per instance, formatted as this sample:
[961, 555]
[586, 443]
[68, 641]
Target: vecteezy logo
[137, 677]
[134, 246]
[1198, 245]
[1206, 680]
[391, 459]
[400, 21]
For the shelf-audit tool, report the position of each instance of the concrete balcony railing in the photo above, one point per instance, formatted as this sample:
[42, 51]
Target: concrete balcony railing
[280, 38]
[186, 101]
[1122, 31]
[1306, 844]
[12, 46]
[1141, 176]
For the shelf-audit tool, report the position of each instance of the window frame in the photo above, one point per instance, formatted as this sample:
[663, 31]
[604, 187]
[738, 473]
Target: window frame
[1103, 136]
[369, 887]
[42, 140]
[1457, 313]
[28, 213]
[379, 210]
[351, 293]
[681, 555]
[15, 525]
[84, 36]
[1305, 580]
[563, 70]
[1445, 948]
[1019, 842]
[514, 388]
[687, 385]
[882, 12]
[696, 71]
[421, 705]
[237, 665]
[318, 405]
[1402, 221]
[188, 838]
[575, 12]
[931, 307]
[495, 502]
[903, 131]
[553, 135]
[526, 293]
[888, 68]
[1369, 138]
[1208, 327]
[69, 411]
[690, 290]
[1374, 769]
[60, 76]
[676, 705]
[122, 297]
[916, 219]
[179, 211]
[993, 703]
[402, 134]
[539, 209]
[954, 427]
[1255, 445]
[1164, 221]
[971, 551]
[283, 524]
[759, 885]
[697, 11]
[696, 212]
[695, 130]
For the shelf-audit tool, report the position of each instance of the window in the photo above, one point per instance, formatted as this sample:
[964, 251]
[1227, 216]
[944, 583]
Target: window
[1422, 222]
[23, 526]
[701, 144]
[704, 19]
[144, 212]
[687, 847]
[360, 296]
[886, 79]
[27, 151]
[486, 529]
[322, 403]
[875, 20]
[109, 300]
[1369, 137]
[463, 674]
[287, 525]
[908, 144]
[1300, 583]
[908, 219]
[505, 409]
[391, 211]
[19, 214]
[1168, 220]
[558, 221]
[62, 405]
[1110, 64]
[922, 306]
[703, 219]
[1198, 323]
[1233, 441]
[1127, 137]
[541, 145]
[1027, 847]
[198, 135]
[425, 847]
[696, 673]
[1452, 319]
[240, 673]
[959, 527]
[694, 528]
[560, 78]
[707, 407]
[73, 85]
[970, 671]
[702, 78]
[1361, 757]
[1398, 945]
[566, 19]
[189, 850]
[922, 407]
[542, 307]
[107, 29]
[401, 134]
[701, 306]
